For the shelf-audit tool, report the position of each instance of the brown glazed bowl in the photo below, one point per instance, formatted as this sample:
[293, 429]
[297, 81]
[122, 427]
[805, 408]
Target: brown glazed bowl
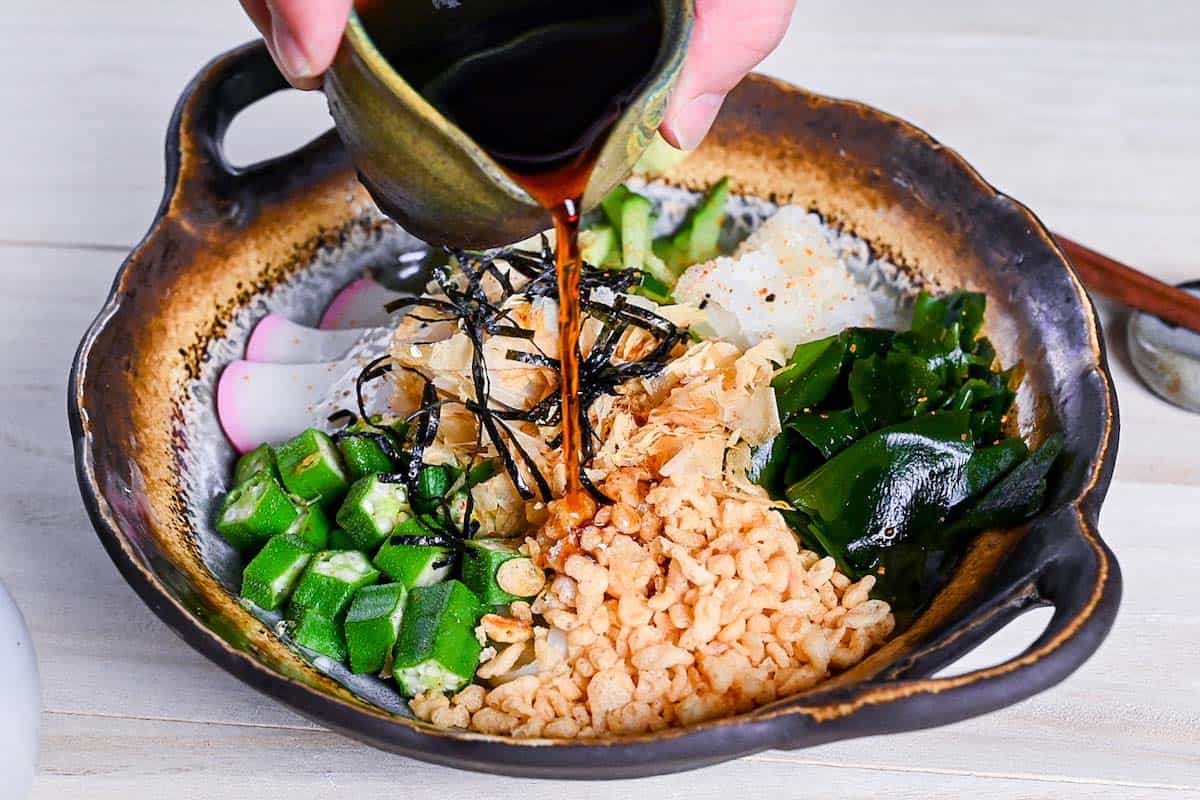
[287, 233]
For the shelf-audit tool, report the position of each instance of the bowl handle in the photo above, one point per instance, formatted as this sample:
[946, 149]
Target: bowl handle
[1059, 562]
[201, 182]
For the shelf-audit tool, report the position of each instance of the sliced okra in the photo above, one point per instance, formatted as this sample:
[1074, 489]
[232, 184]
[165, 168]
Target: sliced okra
[260, 459]
[340, 540]
[330, 581]
[433, 481]
[372, 510]
[373, 625]
[254, 511]
[311, 467]
[413, 564]
[318, 632]
[437, 649]
[271, 575]
[498, 573]
[312, 526]
[362, 452]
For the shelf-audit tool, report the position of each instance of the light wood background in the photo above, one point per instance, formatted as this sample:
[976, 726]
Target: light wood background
[1089, 111]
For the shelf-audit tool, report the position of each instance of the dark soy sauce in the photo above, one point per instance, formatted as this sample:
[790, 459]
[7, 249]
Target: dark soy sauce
[537, 85]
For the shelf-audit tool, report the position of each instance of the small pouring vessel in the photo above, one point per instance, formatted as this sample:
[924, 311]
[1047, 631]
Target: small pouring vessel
[421, 168]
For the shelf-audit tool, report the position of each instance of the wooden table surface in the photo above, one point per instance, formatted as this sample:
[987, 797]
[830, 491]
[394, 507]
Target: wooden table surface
[1087, 111]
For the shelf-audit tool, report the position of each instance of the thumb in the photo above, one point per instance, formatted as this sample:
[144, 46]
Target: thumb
[304, 35]
[729, 38]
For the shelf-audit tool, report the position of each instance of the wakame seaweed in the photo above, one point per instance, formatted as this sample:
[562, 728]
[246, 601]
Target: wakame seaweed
[892, 450]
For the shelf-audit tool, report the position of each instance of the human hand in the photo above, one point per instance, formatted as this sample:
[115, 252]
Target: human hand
[729, 39]
[302, 35]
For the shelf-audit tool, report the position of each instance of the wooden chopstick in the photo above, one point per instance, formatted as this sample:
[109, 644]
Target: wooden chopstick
[1133, 288]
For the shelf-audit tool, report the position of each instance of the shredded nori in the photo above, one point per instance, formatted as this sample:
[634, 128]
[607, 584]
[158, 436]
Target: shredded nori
[478, 316]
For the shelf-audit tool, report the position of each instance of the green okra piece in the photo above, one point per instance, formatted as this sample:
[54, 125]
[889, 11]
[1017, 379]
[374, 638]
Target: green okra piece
[437, 649]
[340, 540]
[433, 481]
[318, 632]
[311, 467]
[330, 581]
[455, 599]
[312, 526]
[410, 564]
[372, 510]
[254, 511]
[498, 573]
[373, 625]
[271, 575]
[260, 459]
[362, 453]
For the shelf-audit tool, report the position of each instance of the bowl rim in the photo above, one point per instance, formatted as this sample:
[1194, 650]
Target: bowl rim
[846, 712]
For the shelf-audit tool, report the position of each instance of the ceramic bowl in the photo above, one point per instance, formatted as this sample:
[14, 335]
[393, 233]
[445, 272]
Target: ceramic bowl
[229, 244]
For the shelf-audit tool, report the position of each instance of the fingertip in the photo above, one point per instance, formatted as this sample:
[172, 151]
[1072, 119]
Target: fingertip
[305, 37]
[689, 120]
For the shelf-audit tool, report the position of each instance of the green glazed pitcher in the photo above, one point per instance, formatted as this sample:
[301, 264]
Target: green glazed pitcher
[423, 170]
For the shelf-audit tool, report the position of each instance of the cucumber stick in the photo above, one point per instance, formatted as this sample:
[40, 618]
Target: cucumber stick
[697, 238]
[636, 213]
[597, 243]
[614, 202]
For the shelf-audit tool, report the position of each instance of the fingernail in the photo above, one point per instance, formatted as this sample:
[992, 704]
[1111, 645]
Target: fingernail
[693, 120]
[293, 60]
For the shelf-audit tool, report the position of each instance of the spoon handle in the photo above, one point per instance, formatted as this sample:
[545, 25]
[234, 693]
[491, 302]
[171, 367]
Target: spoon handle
[1131, 287]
